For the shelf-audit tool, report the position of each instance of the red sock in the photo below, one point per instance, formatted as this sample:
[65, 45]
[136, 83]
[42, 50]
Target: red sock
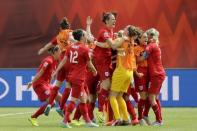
[141, 105]
[39, 111]
[69, 109]
[134, 95]
[147, 108]
[77, 114]
[65, 96]
[131, 109]
[110, 112]
[159, 105]
[84, 111]
[53, 94]
[103, 95]
[157, 112]
[91, 110]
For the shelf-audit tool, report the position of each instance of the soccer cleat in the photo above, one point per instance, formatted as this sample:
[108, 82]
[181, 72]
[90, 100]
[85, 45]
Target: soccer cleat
[114, 123]
[100, 117]
[33, 121]
[156, 123]
[142, 122]
[65, 125]
[125, 123]
[76, 123]
[91, 124]
[117, 123]
[147, 120]
[47, 110]
[60, 112]
[134, 122]
[110, 123]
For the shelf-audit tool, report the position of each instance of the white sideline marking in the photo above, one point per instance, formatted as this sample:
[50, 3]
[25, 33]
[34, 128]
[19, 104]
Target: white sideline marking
[19, 113]
[14, 114]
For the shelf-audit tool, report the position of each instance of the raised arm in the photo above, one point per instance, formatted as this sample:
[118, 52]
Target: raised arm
[45, 48]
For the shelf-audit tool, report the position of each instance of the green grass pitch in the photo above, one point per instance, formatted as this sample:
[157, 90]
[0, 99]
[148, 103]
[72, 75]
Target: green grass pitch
[175, 119]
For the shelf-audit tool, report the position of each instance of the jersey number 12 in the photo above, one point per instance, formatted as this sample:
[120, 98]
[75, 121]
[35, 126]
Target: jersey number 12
[73, 57]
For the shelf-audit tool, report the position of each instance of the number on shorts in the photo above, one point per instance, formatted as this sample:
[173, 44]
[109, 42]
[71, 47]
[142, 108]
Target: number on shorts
[73, 57]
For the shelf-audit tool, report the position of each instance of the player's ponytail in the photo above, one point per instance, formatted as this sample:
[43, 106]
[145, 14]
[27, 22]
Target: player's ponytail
[64, 24]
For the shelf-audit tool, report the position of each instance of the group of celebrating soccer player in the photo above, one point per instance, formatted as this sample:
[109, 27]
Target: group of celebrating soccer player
[109, 68]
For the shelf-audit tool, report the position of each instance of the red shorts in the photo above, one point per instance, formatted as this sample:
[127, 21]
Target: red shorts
[42, 91]
[141, 84]
[77, 88]
[91, 82]
[155, 84]
[104, 69]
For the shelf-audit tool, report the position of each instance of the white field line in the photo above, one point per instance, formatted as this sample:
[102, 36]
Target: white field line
[14, 114]
[18, 113]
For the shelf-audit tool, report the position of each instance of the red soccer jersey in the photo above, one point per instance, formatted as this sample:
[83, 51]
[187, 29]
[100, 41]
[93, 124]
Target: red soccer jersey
[78, 56]
[103, 35]
[49, 65]
[154, 60]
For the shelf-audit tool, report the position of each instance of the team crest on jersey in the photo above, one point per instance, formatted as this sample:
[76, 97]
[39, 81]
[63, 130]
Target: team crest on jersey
[106, 73]
[47, 92]
[106, 34]
[141, 88]
[45, 64]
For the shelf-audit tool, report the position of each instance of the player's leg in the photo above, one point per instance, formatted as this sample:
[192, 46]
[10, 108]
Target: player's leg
[141, 106]
[65, 95]
[114, 105]
[130, 109]
[53, 94]
[57, 84]
[134, 94]
[156, 83]
[84, 110]
[39, 112]
[42, 92]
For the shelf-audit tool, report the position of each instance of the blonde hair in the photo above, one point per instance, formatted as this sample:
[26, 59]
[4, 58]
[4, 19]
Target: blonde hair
[153, 34]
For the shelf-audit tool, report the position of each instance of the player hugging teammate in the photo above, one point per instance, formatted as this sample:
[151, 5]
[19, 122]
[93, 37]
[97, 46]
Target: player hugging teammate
[110, 68]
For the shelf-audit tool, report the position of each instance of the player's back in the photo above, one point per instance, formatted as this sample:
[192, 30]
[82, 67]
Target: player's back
[126, 56]
[49, 65]
[78, 56]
